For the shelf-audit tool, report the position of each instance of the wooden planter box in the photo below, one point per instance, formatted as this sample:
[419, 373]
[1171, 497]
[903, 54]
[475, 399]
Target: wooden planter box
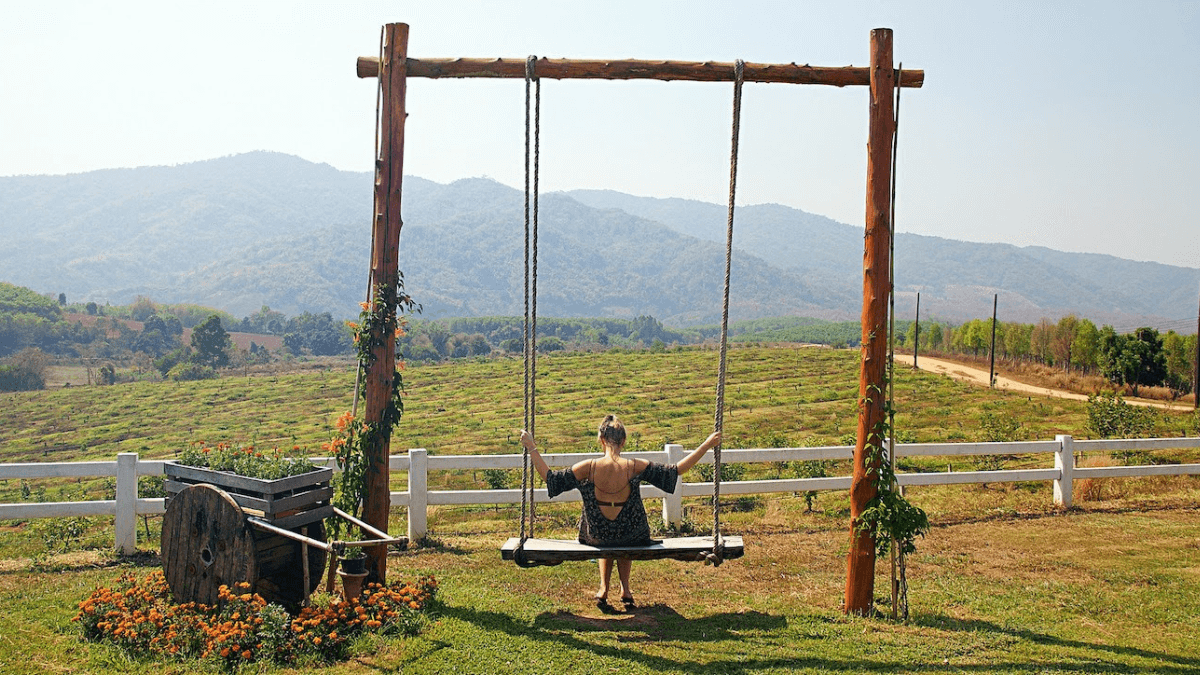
[289, 503]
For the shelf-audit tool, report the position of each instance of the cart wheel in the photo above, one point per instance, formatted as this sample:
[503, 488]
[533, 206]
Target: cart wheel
[206, 543]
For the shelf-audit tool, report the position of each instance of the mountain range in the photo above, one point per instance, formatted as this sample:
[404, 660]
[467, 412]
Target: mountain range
[264, 228]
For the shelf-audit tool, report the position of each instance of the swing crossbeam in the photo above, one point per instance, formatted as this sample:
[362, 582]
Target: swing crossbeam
[553, 551]
[634, 69]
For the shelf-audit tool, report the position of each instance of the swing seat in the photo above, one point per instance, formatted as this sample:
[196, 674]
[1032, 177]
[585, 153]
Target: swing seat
[554, 551]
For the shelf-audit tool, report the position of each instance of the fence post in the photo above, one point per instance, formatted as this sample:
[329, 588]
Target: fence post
[672, 507]
[418, 493]
[127, 496]
[1064, 461]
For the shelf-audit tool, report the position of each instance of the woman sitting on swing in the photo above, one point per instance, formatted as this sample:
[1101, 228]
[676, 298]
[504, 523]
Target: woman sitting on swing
[613, 514]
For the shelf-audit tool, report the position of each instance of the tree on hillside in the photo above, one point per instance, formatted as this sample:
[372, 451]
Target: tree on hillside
[159, 335]
[211, 343]
[1152, 360]
[1017, 340]
[318, 333]
[1085, 352]
[1063, 343]
[1040, 339]
[1180, 350]
[142, 308]
[973, 336]
[935, 336]
[1135, 360]
[1116, 361]
[265, 321]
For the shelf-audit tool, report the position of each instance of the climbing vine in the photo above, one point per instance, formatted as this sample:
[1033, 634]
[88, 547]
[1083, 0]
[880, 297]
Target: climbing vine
[380, 320]
[889, 516]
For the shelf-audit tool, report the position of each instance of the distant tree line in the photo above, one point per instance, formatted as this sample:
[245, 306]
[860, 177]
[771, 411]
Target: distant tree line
[436, 339]
[1143, 357]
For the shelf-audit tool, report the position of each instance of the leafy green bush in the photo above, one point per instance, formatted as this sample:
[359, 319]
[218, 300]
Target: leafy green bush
[62, 535]
[18, 378]
[729, 472]
[496, 479]
[188, 371]
[999, 427]
[1109, 416]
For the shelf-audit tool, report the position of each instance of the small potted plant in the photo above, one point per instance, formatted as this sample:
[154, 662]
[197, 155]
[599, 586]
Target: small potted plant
[354, 561]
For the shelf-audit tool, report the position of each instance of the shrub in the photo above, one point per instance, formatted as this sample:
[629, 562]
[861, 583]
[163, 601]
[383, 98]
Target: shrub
[188, 371]
[62, 535]
[496, 479]
[18, 378]
[999, 427]
[1109, 416]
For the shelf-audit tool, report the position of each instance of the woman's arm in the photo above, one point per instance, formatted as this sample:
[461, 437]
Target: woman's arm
[538, 462]
[688, 462]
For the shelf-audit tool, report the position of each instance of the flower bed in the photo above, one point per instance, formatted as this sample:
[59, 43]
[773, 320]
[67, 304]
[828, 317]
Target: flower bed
[138, 617]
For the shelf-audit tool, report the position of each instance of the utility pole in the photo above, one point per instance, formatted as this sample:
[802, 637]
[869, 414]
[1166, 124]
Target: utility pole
[992, 368]
[917, 331]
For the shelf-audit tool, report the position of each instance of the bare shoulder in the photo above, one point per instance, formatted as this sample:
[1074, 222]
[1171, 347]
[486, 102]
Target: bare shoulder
[582, 469]
[640, 465]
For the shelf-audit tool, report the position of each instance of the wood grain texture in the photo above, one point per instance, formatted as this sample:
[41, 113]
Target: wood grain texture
[206, 542]
[634, 69]
[679, 548]
[860, 560]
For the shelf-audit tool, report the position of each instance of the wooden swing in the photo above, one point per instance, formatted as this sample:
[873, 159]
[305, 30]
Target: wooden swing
[527, 550]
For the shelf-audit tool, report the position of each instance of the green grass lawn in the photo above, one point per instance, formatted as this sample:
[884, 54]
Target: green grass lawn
[1004, 583]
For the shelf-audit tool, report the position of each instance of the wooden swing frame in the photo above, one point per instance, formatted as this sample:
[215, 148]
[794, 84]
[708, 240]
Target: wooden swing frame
[393, 67]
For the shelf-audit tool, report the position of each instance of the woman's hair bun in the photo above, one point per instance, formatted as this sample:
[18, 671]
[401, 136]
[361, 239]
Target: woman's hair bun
[612, 430]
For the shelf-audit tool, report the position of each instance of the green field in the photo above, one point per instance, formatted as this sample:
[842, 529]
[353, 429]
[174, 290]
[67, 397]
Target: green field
[1004, 583]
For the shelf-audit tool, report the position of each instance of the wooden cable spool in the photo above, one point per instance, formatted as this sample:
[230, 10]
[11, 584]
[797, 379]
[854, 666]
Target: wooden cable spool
[207, 542]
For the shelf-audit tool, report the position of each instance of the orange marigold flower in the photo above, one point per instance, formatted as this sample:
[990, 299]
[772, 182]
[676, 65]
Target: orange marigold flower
[365, 305]
[317, 641]
[225, 652]
[247, 655]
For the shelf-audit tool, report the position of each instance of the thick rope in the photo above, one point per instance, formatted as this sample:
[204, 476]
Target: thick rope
[718, 543]
[899, 578]
[530, 323]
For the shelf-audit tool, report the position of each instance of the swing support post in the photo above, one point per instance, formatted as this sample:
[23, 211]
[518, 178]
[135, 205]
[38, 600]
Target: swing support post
[872, 390]
[389, 172]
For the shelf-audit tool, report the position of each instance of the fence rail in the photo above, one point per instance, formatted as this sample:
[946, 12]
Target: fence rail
[417, 463]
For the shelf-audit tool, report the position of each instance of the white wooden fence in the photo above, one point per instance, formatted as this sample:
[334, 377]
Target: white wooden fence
[418, 463]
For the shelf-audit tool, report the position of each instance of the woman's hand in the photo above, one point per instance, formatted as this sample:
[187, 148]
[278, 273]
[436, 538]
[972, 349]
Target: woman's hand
[538, 462]
[713, 440]
[527, 440]
[690, 461]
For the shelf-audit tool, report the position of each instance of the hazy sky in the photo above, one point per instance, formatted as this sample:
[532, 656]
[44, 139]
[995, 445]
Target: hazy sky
[1072, 125]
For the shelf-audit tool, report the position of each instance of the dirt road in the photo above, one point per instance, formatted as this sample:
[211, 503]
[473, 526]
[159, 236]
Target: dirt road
[980, 377]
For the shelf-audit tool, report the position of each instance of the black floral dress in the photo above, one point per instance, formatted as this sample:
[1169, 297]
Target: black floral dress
[630, 527]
